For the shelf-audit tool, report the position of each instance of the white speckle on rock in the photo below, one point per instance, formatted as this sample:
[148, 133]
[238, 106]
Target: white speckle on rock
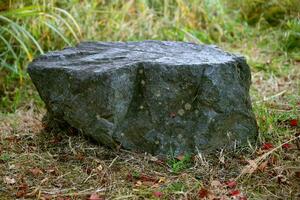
[181, 112]
[141, 107]
[188, 106]
[159, 103]
[143, 82]
[122, 134]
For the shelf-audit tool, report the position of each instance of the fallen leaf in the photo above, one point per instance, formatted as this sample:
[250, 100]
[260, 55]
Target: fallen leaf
[52, 170]
[286, 146]
[160, 162]
[231, 184]
[297, 174]
[8, 180]
[148, 183]
[180, 157]
[203, 193]
[23, 186]
[294, 122]
[46, 197]
[94, 196]
[79, 156]
[147, 178]
[273, 160]
[267, 146]
[234, 193]
[263, 166]
[157, 194]
[21, 193]
[173, 114]
[129, 177]
[36, 171]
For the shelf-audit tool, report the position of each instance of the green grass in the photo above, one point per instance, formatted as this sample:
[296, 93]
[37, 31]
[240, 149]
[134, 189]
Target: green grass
[177, 165]
[266, 32]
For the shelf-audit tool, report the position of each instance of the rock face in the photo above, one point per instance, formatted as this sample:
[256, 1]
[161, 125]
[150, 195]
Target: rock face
[151, 96]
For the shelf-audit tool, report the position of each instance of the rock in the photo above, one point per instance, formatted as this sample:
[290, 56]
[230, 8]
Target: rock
[152, 96]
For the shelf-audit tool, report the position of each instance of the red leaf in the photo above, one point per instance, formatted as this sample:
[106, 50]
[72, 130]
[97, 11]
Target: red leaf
[297, 174]
[234, 193]
[20, 193]
[231, 184]
[129, 177]
[203, 193]
[46, 197]
[147, 178]
[158, 194]
[294, 122]
[22, 190]
[267, 146]
[172, 114]
[286, 146]
[94, 196]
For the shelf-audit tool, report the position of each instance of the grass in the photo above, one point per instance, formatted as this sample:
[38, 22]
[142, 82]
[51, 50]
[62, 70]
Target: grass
[37, 163]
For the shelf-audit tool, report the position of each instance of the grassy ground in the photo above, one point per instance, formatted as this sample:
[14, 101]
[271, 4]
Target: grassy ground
[38, 163]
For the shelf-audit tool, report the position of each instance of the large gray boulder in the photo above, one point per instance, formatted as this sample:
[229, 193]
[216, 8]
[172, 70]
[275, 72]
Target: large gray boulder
[151, 96]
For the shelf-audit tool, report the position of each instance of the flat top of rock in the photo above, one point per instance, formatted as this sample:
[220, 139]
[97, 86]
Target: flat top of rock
[99, 56]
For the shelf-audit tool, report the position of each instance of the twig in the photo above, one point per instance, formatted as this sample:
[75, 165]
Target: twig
[80, 193]
[72, 149]
[271, 97]
[109, 166]
[124, 197]
[264, 156]
[62, 176]
[90, 176]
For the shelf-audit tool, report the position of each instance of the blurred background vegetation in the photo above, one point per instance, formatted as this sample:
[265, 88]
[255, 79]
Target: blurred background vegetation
[267, 32]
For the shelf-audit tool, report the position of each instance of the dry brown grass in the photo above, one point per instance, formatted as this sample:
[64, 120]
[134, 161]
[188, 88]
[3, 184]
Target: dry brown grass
[40, 164]
[37, 163]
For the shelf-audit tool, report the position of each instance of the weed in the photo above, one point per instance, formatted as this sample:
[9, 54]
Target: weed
[177, 186]
[5, 157]
[178, 165]
[266, 32]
